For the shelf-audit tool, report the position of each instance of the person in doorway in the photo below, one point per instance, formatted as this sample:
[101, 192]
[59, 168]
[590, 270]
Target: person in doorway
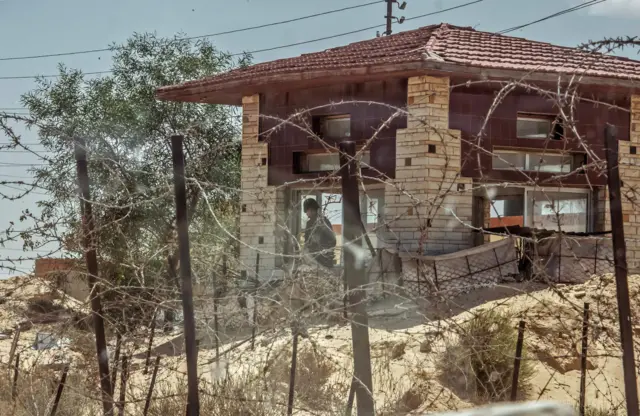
[319, 238]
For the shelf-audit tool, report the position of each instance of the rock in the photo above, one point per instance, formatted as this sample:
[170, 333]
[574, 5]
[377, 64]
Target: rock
[398, 350]
[425, 346]
[580, 294]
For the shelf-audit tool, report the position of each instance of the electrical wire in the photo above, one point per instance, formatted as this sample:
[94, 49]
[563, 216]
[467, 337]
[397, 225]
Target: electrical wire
[551, 16]
[296, 19]
[275, 47]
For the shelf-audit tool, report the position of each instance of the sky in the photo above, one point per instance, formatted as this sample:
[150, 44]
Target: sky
[35, 27]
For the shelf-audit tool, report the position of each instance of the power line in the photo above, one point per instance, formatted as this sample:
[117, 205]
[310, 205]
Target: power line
[551, 16]
[4, 175]
[296, 19]
[459, 6]
[275, 47]
[11, 164]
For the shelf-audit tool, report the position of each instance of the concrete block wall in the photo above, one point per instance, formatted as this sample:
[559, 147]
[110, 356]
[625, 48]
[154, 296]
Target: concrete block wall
[428, 207]
[629, 165]
[258, 200]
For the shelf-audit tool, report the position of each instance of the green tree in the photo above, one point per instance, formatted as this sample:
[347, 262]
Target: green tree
[127, 132]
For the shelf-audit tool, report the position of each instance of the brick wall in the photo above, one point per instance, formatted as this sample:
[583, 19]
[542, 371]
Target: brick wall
[428, 205]
[258, 200]
[47, 266]
[630, 176]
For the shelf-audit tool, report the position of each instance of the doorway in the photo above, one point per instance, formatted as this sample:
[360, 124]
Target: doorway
[330, 201]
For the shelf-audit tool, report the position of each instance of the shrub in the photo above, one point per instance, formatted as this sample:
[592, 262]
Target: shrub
[479, 364]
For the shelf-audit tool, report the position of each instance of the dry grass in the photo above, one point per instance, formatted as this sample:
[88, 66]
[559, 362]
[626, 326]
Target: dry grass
[36, 390]
[478, 364]
[597, 411]
[314, 386]
[232, 398]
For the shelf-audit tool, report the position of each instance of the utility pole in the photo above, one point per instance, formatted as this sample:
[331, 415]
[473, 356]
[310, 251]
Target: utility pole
[389, 16]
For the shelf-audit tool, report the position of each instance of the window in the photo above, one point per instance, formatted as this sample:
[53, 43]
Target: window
[554, 210]
[537, 161]
[534, 126]
[549, 162]
[332, 127]
[322, 162]
[540, 208]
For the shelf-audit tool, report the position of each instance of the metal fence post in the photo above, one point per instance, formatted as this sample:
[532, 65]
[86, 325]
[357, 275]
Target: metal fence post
[124, 375]
[292, 373]
[620, 260]
[147, 360]
[254, 324]
[92, 271]
[116, 358]
[354, 275]
[16, 373]
[152, 384]
[516, 361]
[56, 401]
[180, 189]
[583, 359]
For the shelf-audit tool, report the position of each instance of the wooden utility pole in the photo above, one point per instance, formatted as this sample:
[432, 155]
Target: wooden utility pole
[620, 261]
[191, 349]
[355, 276]
[92, 273]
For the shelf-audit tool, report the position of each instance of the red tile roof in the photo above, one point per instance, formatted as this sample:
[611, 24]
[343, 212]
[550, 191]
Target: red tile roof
[437, 43]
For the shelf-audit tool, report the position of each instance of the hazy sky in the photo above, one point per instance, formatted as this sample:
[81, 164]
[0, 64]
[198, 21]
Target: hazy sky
[32, 27]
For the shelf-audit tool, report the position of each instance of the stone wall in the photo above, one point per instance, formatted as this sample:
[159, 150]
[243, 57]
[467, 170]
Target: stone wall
[258, 200]
[428, 205]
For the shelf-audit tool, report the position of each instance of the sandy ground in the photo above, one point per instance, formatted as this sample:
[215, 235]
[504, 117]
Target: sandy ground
[407, 340]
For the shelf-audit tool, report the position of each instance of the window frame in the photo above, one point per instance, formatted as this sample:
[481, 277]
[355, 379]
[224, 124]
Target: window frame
[318, 123]
[303, 165]
[527, 201]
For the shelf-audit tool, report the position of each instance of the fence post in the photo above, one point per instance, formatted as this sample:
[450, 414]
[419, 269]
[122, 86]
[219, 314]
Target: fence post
[352, 396]
[354, 275]
[92, 270]
[56, 401]
[254, 317]
[345, 289]
[147, 402]
[180, 189]
[14, 345]
[124, 375]
[216, 294]
[116, 358]
[620, 260]
[16, 372]
[583, 359]
[292, 374]
[147, 359]
[516, 362]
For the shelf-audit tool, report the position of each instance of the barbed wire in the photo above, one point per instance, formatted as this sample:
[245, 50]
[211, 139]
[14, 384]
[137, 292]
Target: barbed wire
[447, 345]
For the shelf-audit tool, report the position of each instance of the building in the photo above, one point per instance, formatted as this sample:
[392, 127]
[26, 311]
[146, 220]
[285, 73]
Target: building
[446, 117]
